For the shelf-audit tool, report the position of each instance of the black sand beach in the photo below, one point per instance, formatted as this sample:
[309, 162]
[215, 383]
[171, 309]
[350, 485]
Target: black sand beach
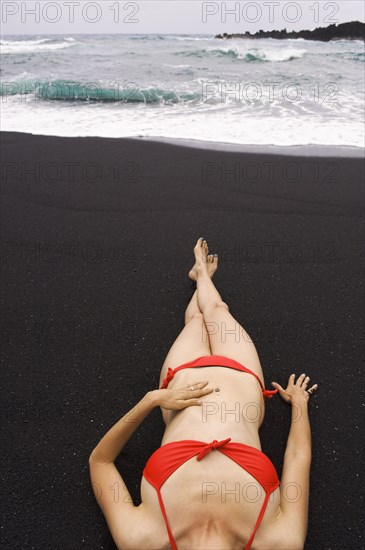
[96, 246]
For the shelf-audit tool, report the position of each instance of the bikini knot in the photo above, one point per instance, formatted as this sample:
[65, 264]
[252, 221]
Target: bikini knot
[213, 445]
[269, 393]
[169, 376]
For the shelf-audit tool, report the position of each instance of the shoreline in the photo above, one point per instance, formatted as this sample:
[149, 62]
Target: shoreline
[308, 150]
[341, 151]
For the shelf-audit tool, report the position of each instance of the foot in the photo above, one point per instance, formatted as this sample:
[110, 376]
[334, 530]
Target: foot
[203, 260]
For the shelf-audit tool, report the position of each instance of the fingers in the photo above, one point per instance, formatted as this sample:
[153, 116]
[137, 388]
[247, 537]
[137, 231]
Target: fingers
[302, 382]
[197, 385]
[198, 392]
[277, 386]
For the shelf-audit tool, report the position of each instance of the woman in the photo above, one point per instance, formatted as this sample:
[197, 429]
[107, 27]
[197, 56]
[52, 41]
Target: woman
[209, 485]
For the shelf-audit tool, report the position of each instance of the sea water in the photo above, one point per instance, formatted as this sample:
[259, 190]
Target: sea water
[242, 91]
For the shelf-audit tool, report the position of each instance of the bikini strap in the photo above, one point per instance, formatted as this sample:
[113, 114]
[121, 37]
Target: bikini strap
[261, 514]
[162, 506]
[267, 394]
[169, 376]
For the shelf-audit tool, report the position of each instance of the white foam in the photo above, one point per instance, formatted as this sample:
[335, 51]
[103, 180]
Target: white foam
[24, 46]
[23, 42]
[209, 123]
[190, 38]
[277, 53]
[281, 54]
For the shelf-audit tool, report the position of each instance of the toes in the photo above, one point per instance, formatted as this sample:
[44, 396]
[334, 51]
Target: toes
[202, 244]
[212, 261]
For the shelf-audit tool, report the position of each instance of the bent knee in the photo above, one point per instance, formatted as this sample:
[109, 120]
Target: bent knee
[219, 304]
[197, 315]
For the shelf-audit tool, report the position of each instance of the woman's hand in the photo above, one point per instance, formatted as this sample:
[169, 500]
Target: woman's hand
[186, 396]
[295, 391]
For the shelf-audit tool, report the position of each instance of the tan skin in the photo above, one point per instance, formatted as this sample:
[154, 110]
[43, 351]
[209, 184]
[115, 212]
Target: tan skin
[199, 517]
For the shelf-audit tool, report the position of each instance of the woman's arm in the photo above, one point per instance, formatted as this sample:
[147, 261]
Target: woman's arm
[131, 526]
[124, 519]
[114, 440]
[294, 487]
[299, 438]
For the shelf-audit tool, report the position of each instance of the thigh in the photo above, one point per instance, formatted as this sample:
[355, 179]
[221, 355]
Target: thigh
[227, 337]
[192, 342]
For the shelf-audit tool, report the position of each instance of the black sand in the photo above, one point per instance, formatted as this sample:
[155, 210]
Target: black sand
[95, 286]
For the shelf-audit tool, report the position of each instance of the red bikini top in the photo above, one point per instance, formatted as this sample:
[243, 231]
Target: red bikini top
[168, 458]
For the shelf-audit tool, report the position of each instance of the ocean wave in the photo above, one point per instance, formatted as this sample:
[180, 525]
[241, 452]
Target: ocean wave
[208, 53]
[252, 55]
[42, 44]
[82, 89]
[191, 38]
[281, 55]
[175, 37]
[66, 90]
[359, 57]
[348, 55]
[22, 42]
[353, 56]
[145, 37]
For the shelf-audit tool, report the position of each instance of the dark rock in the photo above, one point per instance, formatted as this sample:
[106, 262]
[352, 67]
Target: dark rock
[354, 30]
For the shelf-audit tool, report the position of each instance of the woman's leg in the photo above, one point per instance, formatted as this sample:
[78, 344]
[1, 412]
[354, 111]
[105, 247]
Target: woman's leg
[193, 340]
[226, 336]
